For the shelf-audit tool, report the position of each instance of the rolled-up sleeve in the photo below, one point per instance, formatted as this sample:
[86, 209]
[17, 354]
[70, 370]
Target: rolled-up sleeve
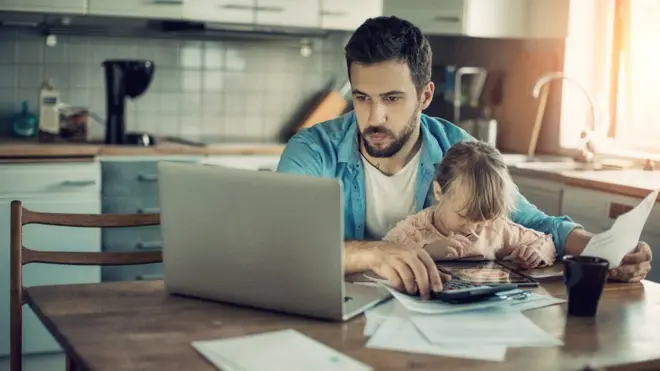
[299, 157]
[558, 227]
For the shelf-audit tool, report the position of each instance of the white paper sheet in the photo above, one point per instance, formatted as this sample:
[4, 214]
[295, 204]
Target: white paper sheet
[534, 301]
[397, 332]
[418, 305]
[286, 350]
[496, 326]
[374, 316]
[624, 234]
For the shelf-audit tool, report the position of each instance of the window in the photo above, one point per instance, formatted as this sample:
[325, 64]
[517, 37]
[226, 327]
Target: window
[612, 50]
[634, 102]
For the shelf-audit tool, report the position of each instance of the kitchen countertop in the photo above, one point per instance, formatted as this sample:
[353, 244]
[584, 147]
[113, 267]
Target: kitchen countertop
[631, 183]
[31, 150]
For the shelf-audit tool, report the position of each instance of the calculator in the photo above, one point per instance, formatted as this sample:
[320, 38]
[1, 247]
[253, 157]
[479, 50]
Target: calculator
[456, 291]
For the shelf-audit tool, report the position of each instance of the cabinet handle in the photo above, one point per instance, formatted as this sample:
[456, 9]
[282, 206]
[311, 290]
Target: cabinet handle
[237, 7]
[148, 210]
[149, 277]
[264, 169]
[152, 245]
[167, 2]
[447, 18]
[147, 177]
[331, 13]
[78, 183]
[270, 8]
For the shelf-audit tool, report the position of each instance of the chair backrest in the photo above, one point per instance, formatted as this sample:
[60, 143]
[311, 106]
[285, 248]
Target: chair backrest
[21, 255]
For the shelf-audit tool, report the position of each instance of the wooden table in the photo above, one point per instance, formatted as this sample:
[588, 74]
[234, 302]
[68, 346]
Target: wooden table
[137, 326]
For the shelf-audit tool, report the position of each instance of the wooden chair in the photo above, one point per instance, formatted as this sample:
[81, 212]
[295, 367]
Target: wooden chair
[20, 255]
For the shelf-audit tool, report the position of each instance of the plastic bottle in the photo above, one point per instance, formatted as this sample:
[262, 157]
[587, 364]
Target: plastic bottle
[49, 116]
[25, 123]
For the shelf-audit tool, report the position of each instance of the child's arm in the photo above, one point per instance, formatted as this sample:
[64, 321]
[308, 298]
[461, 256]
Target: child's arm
[414, 230]
[406, 232]
[527, 246]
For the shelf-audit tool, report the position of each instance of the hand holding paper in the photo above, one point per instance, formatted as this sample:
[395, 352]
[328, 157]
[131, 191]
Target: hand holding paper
[624, 235]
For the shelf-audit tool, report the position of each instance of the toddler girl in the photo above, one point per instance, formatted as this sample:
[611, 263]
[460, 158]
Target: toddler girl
[475, 196]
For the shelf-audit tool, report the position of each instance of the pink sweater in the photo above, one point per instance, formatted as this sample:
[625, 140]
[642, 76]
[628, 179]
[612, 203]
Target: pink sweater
[496, 240]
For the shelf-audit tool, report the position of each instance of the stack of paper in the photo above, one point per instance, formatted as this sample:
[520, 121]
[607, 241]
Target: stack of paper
[286, 350]
[481, 331]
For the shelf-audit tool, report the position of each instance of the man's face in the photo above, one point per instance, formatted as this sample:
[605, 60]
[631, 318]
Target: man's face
[387, 105]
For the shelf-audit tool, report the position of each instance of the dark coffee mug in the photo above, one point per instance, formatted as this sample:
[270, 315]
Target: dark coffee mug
[584, 277]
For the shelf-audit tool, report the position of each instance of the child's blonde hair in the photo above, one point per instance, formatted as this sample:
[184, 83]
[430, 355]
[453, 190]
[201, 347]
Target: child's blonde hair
[475, 173]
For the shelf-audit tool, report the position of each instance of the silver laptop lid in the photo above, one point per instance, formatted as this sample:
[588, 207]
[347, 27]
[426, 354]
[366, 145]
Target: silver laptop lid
[260, 239]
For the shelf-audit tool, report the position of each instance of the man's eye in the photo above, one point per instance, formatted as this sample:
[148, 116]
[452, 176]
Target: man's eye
[360, 97]
[393, 99]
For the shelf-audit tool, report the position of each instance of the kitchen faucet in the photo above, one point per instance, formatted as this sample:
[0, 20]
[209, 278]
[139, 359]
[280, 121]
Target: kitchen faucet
[586, 149]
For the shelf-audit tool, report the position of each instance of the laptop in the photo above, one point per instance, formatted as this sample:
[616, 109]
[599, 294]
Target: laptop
[258, 239]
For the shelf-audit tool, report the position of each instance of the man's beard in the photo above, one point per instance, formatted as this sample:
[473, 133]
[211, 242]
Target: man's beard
[397, 143]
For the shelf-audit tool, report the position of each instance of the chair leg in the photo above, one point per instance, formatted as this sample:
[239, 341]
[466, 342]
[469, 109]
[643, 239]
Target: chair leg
[16, 337]
[70, 364]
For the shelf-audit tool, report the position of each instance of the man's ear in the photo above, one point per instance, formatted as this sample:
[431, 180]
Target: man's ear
[427, 95]
[437, 190]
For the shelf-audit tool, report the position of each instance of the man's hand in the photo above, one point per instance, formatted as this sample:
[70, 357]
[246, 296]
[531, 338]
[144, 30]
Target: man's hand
[409, 268]
[454, 246]
[634, 266]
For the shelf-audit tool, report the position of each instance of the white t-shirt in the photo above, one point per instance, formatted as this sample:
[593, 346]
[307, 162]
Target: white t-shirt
[390, 198]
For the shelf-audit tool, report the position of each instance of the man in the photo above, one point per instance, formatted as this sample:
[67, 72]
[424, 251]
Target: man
[385, 153]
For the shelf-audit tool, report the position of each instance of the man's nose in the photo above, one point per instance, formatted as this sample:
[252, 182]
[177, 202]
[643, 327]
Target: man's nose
[377, 114]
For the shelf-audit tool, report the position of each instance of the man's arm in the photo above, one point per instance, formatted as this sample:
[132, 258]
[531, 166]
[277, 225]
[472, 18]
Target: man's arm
[568, 236]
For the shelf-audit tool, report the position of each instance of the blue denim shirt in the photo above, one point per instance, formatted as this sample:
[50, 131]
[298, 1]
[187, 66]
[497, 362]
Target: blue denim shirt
[330, 149]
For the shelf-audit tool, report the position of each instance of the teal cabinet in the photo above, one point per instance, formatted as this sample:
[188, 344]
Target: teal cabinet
[70, 188]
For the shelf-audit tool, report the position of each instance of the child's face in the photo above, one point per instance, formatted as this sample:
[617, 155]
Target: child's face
[450, 208]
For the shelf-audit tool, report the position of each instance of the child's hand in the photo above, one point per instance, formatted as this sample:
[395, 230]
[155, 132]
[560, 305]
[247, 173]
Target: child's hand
[452, 247]
[528, 257]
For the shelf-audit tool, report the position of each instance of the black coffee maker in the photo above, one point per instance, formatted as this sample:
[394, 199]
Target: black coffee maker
[125, 78]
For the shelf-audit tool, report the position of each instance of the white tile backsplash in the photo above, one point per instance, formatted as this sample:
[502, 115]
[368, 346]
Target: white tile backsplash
[212, 87]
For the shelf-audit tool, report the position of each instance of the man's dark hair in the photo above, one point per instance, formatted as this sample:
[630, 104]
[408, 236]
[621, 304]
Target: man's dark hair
[383, 39]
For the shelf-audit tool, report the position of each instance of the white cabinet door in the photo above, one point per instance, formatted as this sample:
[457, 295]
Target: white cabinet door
[432, 17]
[220, 11]
[496, 18]
[544, 194]
[348, 14]
[296, 13]
[45, 6]
[654, 241]
[548, 19]
[36, 339]
[158, 9]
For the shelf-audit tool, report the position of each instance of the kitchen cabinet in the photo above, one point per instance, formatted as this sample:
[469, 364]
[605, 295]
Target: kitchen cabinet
[68, 188]
[158, 9]
[73, 7]
[130, 185]
[348, 14]
[220, 11]
[597, 211]
[294, 13]
[544, 194]
[478, 18]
